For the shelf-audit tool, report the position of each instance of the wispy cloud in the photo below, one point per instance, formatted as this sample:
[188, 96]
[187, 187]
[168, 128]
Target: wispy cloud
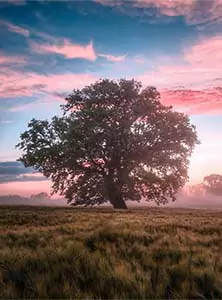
[12, 171]
[21, 107]
[194, 11]
[20, 178]
[13, 168]
[67, 49]
[139, 59]
[6, 59]
[15, 28]
[70, 50]
[200, 67]
[17, 2]
[206, 53]
[203, 101]
[194, 82]
[14, 83]
[6, 122]
[113, 58]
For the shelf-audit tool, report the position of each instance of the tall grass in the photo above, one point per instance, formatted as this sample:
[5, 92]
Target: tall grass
[102, 254]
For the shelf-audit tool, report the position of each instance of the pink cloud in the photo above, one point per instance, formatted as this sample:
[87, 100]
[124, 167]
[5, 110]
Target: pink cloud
[14, 84]
[47, 37]
[67, 49]
[200, 67]
[5, 59]
[17, 2]
[113, 58]
[110, 2]
[15, 28]
[37, 175]
[193, 83]
[194, 11]
[206, 53]
[139, 59]
[188, 76]
[167, 7]
[194, 101]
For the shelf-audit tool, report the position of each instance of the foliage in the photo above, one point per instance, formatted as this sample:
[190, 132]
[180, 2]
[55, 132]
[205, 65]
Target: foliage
[58, 253]
[197, 189]
[41, 195]
[115, 142]
[213, 184]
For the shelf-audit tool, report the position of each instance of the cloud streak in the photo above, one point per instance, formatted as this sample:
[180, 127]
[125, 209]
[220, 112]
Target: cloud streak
[17, 2]
[201, 65]
[113, 58]
[13, 168]
[195, 82]
[70, 50]
[195, 12]
[6, 122]
[67, 49]
[195, 101]
[15, 171]
[6, 59]
[21, 178]
[14, 83]
[15, 28]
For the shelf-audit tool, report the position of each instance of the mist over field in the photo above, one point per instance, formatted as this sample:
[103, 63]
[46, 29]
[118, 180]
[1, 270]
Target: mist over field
[183, 201]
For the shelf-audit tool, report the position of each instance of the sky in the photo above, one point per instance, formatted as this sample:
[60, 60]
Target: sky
[48, 48]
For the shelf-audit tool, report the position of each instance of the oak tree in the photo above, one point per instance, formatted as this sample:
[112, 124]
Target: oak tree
[114, 142]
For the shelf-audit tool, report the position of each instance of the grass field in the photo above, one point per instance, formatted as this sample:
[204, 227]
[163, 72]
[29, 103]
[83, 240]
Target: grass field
[101, 254]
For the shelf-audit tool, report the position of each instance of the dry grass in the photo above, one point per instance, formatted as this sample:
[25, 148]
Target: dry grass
[101, 254]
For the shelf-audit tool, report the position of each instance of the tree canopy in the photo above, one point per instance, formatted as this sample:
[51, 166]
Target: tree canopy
[114, 142]
[213, 184]
[40, 196]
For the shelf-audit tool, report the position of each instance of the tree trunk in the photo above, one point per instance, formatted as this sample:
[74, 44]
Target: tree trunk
[118, 202]
[114, 195]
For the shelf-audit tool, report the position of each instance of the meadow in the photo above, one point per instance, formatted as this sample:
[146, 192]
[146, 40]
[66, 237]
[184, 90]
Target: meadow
[154, 253]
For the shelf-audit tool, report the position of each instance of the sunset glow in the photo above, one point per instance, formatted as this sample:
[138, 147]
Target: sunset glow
[175, 46]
